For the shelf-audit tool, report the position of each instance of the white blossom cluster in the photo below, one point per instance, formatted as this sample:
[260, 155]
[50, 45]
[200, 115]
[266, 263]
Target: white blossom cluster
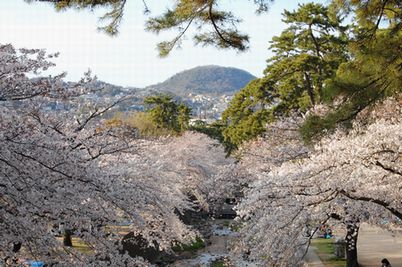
[201, 161]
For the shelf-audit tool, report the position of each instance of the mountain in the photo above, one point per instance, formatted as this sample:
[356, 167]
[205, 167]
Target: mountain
[212, 80]
[206, 89]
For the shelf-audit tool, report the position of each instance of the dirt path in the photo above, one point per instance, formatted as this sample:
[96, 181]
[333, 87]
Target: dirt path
[375, 244]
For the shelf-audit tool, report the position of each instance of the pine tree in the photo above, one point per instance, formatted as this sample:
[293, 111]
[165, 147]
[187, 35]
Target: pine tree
[214, 26]
[167, 113]
[307, 53]
[246, 115]
[375, 70]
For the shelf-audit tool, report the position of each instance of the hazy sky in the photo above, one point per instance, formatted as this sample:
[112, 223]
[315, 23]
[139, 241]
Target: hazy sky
[130, 59]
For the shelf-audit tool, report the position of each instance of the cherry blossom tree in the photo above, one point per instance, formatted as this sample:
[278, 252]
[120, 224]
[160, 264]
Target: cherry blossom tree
[199, 163]
[348, 178]
[60, 164]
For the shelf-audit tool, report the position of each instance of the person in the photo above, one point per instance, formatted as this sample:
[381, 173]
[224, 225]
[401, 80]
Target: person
[385, 263]
[328, 233]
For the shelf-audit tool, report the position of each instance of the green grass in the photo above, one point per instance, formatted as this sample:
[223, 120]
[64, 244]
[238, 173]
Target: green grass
[81, 246]
[197, 244]
[325, 250]
[218, 263]
[324, 246]
[78, 245]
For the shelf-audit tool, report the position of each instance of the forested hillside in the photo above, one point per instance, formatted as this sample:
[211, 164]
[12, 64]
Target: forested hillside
[214, 80]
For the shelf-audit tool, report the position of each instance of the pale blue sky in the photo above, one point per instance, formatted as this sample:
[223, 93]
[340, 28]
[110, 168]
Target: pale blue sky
[130, 59]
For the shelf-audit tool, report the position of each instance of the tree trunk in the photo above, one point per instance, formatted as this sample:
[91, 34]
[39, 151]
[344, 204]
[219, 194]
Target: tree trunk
[310, 89]
[67, 240]
[351, 245]
[16, 246]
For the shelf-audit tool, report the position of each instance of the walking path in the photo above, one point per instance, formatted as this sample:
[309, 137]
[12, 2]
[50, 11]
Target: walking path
[312, 259]
[374, 244]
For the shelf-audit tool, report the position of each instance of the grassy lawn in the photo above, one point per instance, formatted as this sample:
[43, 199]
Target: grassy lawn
[325, 250]
[119, 229]
[81, 246]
